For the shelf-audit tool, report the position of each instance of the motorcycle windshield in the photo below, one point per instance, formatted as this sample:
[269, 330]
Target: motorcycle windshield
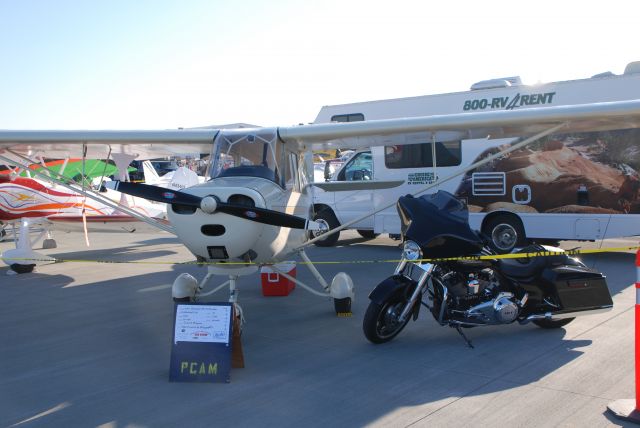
[439, 223]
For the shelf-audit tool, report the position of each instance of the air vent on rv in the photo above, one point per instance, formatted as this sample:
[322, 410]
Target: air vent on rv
[502, 82]
[632, 67]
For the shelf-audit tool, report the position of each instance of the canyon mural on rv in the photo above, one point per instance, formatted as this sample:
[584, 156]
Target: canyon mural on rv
[591, 173]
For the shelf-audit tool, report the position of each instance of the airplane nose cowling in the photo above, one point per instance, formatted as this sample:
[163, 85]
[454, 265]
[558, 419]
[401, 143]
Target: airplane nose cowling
[215, 235]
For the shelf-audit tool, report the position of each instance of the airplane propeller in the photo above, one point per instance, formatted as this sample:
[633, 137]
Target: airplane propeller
[210, 204]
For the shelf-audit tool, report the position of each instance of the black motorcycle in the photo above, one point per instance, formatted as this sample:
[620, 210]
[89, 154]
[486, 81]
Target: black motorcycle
[549, 291]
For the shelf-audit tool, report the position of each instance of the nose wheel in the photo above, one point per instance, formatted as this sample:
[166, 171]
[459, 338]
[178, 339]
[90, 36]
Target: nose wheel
[342, 291]
[343, 307]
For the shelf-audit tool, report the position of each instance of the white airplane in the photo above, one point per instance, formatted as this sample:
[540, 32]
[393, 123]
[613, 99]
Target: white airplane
[177, 180]
[256, 207]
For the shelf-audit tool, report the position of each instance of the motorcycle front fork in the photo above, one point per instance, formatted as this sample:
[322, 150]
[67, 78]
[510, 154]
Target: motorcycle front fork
[426, 269]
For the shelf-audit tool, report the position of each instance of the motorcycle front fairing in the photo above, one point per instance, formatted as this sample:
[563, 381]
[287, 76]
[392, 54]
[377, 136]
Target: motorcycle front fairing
[439, 224]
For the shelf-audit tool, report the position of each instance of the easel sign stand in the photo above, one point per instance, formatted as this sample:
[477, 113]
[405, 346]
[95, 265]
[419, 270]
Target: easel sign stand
[203, 338]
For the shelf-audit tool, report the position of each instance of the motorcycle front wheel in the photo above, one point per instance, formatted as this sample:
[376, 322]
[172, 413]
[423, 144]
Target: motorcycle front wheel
[381, 322]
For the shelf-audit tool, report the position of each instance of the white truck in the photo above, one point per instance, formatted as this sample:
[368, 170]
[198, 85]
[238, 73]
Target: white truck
[578, 186]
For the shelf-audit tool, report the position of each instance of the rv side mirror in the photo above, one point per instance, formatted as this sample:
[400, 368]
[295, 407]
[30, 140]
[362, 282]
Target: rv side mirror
[327, 170]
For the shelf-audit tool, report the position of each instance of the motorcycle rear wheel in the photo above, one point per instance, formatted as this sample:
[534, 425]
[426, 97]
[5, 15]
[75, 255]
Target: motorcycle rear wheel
[380, 322]
[552, 323]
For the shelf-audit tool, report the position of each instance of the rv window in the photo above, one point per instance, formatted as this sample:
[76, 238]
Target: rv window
[353, 117]
[419, 155]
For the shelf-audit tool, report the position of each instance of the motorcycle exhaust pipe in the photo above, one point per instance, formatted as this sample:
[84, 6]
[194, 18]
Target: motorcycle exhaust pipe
[527, 320]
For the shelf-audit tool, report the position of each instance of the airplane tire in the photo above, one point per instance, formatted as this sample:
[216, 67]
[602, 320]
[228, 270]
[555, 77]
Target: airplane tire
[20, 268]
[367, 234]
[330, 219]
[342, 306]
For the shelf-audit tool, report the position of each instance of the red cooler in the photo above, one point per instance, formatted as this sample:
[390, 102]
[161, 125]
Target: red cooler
[274, 284]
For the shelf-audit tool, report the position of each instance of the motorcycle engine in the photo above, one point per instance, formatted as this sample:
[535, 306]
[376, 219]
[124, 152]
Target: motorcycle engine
[477, 298]
[470, 288]
[505, 310]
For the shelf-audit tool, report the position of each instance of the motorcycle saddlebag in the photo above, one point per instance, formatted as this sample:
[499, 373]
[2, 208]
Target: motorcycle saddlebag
[580, 289]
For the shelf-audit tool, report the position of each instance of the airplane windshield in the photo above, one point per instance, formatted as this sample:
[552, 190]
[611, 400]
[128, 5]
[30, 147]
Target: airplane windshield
[247, 153]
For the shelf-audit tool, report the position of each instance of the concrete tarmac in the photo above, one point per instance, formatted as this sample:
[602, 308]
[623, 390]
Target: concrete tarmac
[88, 344]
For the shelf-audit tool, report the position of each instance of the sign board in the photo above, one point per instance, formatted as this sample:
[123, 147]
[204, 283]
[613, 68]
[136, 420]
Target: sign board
[201, 344]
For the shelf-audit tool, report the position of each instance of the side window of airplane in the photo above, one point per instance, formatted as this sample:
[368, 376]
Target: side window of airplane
[296, 174]
[448, 153]
[359, 168]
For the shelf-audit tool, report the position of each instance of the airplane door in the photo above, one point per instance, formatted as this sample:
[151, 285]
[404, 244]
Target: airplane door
[353, 204]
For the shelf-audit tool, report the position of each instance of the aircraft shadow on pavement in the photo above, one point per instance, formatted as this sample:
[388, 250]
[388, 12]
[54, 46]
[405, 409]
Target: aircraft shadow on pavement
[158, 241]
[112, 255]
[39, 279]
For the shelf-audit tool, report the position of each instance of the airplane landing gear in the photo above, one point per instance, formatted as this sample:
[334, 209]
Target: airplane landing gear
[342, 291]
[21, 259]
[186, 289]
[342, 306]
[19, 268]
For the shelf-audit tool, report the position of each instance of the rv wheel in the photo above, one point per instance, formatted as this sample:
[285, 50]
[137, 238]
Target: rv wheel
[505, 232]
[327, 217]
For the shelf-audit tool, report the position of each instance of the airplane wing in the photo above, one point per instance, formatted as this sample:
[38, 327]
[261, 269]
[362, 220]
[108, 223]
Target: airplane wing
[493, 124]
[146, 144]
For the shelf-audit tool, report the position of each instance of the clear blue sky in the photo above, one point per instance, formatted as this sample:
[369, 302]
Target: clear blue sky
[124, 64]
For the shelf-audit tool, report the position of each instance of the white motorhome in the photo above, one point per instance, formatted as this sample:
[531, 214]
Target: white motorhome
[578, 186]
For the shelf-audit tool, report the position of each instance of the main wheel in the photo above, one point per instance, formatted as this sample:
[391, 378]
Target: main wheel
[506, 233]
[381, 322]
[20, 268]
[327, 217]
[552, 323]
[367, 234]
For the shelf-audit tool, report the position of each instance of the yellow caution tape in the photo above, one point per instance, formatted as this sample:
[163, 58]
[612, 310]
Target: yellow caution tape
[573, 252]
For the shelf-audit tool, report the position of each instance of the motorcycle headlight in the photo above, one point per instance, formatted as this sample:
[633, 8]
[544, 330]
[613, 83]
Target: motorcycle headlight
[411, 251]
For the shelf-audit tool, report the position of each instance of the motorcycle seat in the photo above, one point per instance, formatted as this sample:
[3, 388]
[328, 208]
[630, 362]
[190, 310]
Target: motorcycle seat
[522, 268]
